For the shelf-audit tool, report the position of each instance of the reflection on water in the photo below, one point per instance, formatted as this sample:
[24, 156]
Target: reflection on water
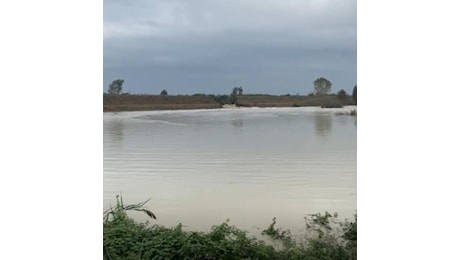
[200, 167]
[237, 123]
[323, 124]
[114, 130]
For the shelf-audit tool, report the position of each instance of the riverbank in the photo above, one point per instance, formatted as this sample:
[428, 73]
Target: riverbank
[128, 102]
[292, 101]
[325, 238]
[118, 103]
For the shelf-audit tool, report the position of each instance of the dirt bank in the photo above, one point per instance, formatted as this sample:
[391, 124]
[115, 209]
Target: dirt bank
[116, 103]
[290, 101]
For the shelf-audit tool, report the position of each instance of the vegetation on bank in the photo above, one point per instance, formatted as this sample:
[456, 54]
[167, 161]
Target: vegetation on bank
[322, 86]
[325, 238]
[116, 100]
[131, 102]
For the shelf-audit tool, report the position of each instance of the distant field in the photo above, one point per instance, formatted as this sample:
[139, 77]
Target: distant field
[114, 103]
[290, 101]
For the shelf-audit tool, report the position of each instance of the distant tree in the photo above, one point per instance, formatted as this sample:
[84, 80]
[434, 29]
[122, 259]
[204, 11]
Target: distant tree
[355, 95]
[235, 91]
[164, 92]
[232, 97]
[322, 86]
[342, 94]
[116, 86]
[240, 91]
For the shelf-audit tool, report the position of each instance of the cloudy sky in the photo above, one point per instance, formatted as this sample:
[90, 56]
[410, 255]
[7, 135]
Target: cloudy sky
[211, 46]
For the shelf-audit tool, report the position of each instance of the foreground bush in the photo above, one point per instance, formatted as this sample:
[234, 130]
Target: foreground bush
[126, 239]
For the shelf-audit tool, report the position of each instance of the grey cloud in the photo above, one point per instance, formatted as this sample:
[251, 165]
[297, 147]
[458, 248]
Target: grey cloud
[208, 46]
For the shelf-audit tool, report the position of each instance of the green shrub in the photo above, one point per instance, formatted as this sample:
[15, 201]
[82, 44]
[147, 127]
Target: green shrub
[355, 95]
[126, 239]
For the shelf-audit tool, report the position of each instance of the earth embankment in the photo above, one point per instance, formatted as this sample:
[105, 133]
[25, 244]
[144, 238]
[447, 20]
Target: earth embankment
[125, 102]
[116, 103]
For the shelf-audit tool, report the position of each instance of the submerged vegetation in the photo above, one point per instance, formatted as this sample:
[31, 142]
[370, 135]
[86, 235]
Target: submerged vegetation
[325, 238]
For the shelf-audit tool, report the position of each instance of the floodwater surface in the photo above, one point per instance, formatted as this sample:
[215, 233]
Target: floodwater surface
[248, 165]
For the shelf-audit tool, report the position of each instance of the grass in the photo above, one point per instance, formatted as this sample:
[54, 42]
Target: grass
[325, 238]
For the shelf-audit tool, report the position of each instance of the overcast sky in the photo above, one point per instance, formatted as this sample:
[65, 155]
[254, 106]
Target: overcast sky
[211, 46]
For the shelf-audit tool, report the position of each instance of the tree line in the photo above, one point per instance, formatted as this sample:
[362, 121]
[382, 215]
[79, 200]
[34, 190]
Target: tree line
[321, 86]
